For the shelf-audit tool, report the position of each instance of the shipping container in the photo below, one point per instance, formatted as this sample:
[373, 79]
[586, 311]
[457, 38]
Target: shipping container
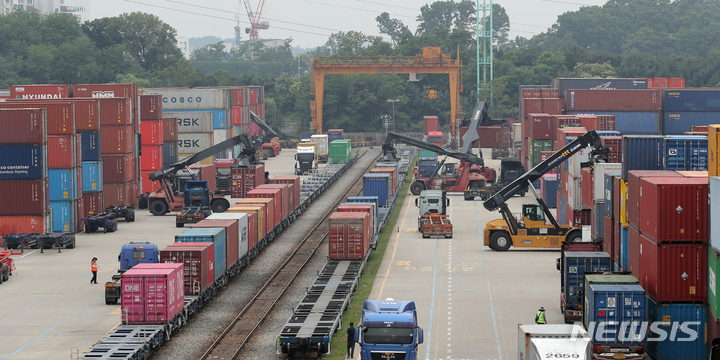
[63, 216]
[117, 140]
[673, 272]
[192, 122]
[117, 168]
[586, 187]
[206, 173]
[609, 240]
[340, 151]
[240, 116]
[152, 158]
[232, 238]
[285, 196]
[256, 223]
[218, 137]
[276, 196]
[349, 235]
[494, 136]
[91, 149]
[152, 294]
[378, 185]
[631, 122]
[607, 122]
[642, 152]
[151, 107]
[714, 219]
[117, 193]
[63, 184]
[25, 224]
[106, 90]
[686, 152]
[295, 189]
[191, 143]
[549, 190]
[87, 114]
[60, 115]
[191, 99]
[695, 100]
[574, 194]
[267, 211]
[614, 145]
[615, 307]
[245, 179]
[713, 275]
[541, 126]
[216, 236]
[38, 91]
[564, 84]
[116, 112]
[92, 176]
[170, 129]
[538, 146]
[608, 195]
[370, 208]
[575, 265]
[242, 232]
[170, 155]
[62, 151]
[430, 123]
[714, 150]
[613, 100]
[152, 132]
[599, 172]
[92, 204]
[566, 121]
[198, 261]
[24, 197]
[148, 185]
[634, 188]
[669, 344]
[561, 136]
[598, 222]
[23, 126]
[673, 209]
[677, 123]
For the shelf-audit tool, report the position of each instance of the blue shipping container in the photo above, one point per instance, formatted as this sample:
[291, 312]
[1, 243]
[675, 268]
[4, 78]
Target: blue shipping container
[63, 216]
[92, 176]
[219, 117]
[213, 235]
[608, 133]
[575, 265]
[685, 331]
[630, 122]
[616, 307]
[90, 145]
[624, 248]
[377, 185]
[677, 100]
[63, 184]
[23, 162]
[170, 155]
[549, 190]
[677, 123]
[686, 152]
[642, 152]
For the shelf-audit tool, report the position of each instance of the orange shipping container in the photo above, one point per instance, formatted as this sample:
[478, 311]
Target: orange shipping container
[349, 236]
[268, 211]
[391, 171]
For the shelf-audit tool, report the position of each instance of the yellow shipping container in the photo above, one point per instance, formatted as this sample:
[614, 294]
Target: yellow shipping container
[713, 150]
[623, 203]
[206, 161]
[258, 211]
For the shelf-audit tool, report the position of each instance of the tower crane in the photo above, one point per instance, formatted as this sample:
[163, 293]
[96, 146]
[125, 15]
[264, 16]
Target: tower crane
[255, 22]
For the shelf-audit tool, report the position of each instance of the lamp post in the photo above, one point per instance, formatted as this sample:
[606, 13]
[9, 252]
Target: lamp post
[393, 101]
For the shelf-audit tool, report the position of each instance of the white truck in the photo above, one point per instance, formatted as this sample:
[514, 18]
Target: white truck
[323, 147]
[553, 341]
[306, 158]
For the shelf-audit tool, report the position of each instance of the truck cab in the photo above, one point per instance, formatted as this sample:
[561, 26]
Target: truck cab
[426, 166]
[389, 330]
[306, 158]
[435, 137]
[130, 255]
[223, 176]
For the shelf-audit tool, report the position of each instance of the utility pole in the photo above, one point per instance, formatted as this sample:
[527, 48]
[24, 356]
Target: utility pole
[386, 121]
[393, 101]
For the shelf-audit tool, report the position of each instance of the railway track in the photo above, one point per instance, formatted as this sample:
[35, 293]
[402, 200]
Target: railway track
[231, 341]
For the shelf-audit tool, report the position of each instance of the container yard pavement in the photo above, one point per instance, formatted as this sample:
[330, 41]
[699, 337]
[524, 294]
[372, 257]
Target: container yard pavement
[50, 309]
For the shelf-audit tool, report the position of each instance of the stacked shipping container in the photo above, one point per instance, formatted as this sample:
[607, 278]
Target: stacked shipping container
[152, 141]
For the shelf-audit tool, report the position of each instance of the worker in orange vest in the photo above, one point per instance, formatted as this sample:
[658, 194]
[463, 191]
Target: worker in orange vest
[93, 267]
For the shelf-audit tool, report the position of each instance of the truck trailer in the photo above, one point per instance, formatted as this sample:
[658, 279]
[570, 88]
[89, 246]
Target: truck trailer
[551, 341]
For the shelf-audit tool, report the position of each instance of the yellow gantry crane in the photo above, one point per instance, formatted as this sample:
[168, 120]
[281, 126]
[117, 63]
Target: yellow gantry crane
[431, 61]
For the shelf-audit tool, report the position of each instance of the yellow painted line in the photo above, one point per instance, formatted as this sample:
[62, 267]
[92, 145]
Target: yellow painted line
[117, 311]
[392, 259]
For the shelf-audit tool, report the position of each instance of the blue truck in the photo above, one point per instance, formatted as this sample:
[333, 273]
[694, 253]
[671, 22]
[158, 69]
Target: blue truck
[130, 255]
[389, 330]
[575, 265]
[615, 315]
[426, 166]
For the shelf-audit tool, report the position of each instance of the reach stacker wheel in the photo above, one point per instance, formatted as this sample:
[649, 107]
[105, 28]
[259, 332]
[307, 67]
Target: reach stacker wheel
[158, 208]
[500, 241]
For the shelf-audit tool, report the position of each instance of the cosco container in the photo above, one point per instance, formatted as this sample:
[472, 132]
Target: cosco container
[575, 265]
[678, 123]
[63, 216]
[674, 272]
[340, 151]
[666, 343]
[613, 100]
[92, 176]
[696, 100]
[686, 153]
[198, 260]
[616, 307]
[673, 209]
[642, 152]
[152, 294]
[232, 244]
[62, 184]
[191, 99]
[630, 122]
[349, 235]
[169, 152]
[378, 185]
[23, 162]
[216, 236]
[24, 197]
[23, 126]
[191, 143]
[242, 231]
[632, 205]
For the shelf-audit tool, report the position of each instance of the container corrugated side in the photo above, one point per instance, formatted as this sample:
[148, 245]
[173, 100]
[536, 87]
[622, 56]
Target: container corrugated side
[631, 122]
[92, 176]
[564, 84]
[695, 100]
[152, 294]
[714, 212]
[117, 168]
[39, 91]
[232, 238]
[603, 309]
[377, 185]
[632, 205]
[63, 184]
[192, 143]
[63, 216]
[691, 343]
[216, 236]
[677, 123]
[198, 264]
[243, 233]
[23, 162]
[170, 153]
[60, 115]
[193, 121]
[92, 204]
[675, 272]
[613, 100]
[191, 99]
[23, 126]
[24, 197]
[642, 152]
[349, 235]
[686, 153]
[91, 149]
[674, 209]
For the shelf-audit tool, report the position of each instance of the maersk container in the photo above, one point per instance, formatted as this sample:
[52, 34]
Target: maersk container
[678, 123]
[170, 153]
[192, 143]
[682, 334]
[213, 235]
[616, 307]
[378, 185]
[630, 122]
[696, 100]
[63, 216]
[575, 265]
[90, 145]
[686, 153]
[62, 184]
[23, 162]
[193, 121]
[191, 99]
[340, 151]
[564, 84]
[715, 212]
[549, 190]
[92, 176]
[642, 152]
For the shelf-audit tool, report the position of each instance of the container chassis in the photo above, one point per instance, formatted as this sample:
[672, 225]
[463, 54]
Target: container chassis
[122, 211]
[106, 221]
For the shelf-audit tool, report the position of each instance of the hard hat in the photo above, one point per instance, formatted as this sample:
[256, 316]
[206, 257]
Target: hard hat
[541, 309]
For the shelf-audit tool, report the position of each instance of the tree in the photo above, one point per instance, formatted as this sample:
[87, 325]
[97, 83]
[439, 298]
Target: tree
[443, 14]
[501, 25]
[38, 65]
[391, 27]
[594, 70]
[150, 41]
[211, 52]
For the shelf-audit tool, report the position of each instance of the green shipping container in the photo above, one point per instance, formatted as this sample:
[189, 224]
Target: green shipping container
[536, 146]
[340, 151]
[610, 279]
[713, 270]
[427, 153]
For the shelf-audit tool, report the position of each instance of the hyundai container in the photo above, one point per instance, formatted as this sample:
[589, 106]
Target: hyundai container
[642, 152]
[349, 235]
[613, 100]
[575, 265]
[216, 236]
[191, 99]
[152, 294]
[674, 209]
[38, 91]
[242, 232]
[23, 126]
[631, 122]
[232, 238]
[685, 152]
[675, 272]
[612, 309]
[198, 260]
[564, 84]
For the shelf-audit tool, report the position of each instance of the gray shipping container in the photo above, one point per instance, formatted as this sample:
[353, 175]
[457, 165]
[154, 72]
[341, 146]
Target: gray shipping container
[191, 99]
[192, 122]
[563, 84]
[191, 143]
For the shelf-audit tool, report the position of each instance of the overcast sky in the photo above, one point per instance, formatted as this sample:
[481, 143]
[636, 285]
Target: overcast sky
[310, 22]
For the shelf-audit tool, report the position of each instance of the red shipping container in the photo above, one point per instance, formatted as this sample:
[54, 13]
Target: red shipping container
[552, 106]
[152, 158]
[245, 179]
[117, 193]
[549, 93]
[79, 212]
[349, 235]
[617, 228]
[151, 107]
[238, 96]
[206, 172]
[38, 92]
[87, 113]
[106, 90]
[117, 140]
[62, 152]
[285, 195]
[607, 122]
[589, 122]
[295, 180]
[390, 171]
[541, 127]
[676, 83]
[170, 129]
[198, 259]
[268, 211]
[633, 251]
[586, 187]
[60, 114]
[24, 197]
[115, 111]
[674, 209]
[531, 93]
[253, 96]
[231, 235]
[239, 113]
[275, 194]
[660, 82]
[633, 200]
[152, 132]
[117, 168]
[674, 272]
[694, 174]
[544, 155]
[562, 134]
[614, 144]
[92, 204]
[147, 184]
[613, 100]
[530, 106]
[23, 224]
[609, 233]
[360, 208]
[578, 218]
[567, 121]
[491, 137]
[23, 126]
[152, 294]
[430, 123]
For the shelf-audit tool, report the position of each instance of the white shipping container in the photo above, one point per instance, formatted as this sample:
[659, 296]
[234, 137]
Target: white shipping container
[220, 135]
[715, 212]
[191, 143]
[574, 191]
[574, 164]
[547, 340]
[517, 132]
[599, 171]
[191, 99]
[192, 122]
[242, 229]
